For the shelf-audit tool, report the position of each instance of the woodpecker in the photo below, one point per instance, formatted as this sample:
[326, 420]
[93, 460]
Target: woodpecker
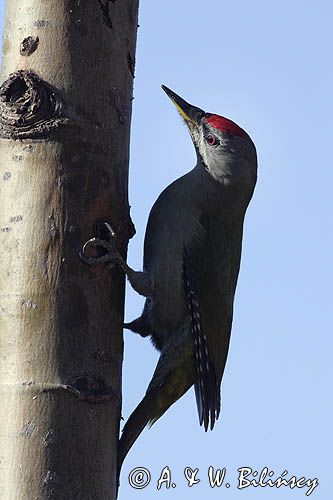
[192, 254]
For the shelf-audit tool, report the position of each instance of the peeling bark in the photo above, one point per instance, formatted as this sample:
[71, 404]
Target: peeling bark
[65, 111]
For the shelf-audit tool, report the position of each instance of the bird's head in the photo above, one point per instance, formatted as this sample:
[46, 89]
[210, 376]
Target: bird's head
[223, 148]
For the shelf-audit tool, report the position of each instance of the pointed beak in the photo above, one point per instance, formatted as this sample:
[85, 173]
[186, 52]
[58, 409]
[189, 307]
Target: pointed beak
[191, 114]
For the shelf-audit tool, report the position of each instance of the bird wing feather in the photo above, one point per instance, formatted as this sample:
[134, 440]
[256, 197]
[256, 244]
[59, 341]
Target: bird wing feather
[212, 274]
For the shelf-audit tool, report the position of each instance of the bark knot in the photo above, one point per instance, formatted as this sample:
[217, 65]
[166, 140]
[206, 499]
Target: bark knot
[29, 107]
[89, 387]
[29, 45]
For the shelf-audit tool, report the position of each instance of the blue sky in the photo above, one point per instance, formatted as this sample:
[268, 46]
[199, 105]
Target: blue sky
[267, 66]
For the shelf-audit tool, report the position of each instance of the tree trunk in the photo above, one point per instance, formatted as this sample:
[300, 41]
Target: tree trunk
[65, 109]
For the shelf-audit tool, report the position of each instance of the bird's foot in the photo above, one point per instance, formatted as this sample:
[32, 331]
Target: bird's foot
[110, 257]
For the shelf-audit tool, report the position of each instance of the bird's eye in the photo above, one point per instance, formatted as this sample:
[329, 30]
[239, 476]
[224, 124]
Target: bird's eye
[212, 140]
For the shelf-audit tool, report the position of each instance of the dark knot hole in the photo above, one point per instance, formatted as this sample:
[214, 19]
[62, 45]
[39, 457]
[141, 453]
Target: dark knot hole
[16, 91]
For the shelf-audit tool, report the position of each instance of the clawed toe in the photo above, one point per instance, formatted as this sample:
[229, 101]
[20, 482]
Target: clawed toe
[110, 257]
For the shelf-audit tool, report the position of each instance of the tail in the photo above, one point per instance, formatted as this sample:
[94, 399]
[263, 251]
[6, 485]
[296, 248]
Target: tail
[148, 411]
[140, 417]
[173, 376]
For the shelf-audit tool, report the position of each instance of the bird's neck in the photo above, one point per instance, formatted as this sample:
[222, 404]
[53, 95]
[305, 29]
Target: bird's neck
[217, 198]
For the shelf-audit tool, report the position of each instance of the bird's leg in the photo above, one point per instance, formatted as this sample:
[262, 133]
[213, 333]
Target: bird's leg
[139, 279]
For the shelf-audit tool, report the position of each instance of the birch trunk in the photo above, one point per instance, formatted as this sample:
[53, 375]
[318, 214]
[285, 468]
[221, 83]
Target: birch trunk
[65, 110]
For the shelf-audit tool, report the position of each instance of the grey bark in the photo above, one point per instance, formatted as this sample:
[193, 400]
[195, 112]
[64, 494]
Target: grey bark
[64, 147]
